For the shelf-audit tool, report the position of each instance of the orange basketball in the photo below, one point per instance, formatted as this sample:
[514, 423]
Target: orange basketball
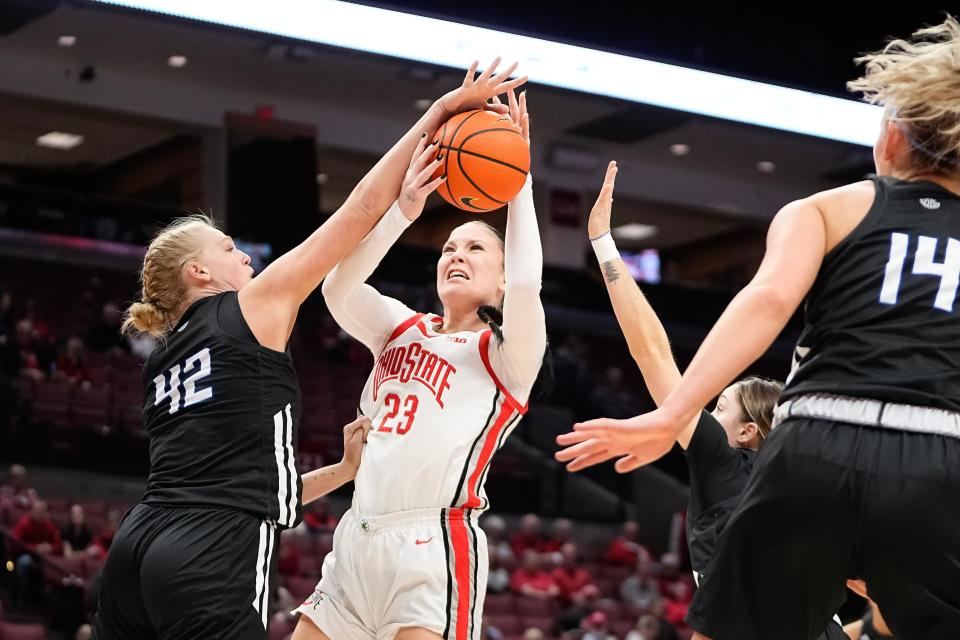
[485, 158]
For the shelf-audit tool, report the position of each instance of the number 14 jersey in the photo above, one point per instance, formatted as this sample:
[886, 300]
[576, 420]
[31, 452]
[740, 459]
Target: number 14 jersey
[439, 413]
[881, 318]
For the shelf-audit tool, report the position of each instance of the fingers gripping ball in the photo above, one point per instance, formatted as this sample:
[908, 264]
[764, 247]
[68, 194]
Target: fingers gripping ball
[486, 160]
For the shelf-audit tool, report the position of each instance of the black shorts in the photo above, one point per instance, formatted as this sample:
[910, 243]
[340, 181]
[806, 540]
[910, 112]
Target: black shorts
[829, 501]
[187, 572]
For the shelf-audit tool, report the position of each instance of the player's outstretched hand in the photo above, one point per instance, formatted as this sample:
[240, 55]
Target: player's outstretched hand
[418, 182]
[599, 222]
[476, 91]
[354, 437]
[635, 441]
[517, 110]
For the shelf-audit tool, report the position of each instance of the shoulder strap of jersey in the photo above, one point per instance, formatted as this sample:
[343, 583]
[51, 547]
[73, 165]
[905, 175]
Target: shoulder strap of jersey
[484, 343]
[402, 327]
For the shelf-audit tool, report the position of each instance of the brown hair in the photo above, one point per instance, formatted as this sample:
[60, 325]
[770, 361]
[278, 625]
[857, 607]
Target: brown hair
[918, 81]
[757, 397]
[163, 287]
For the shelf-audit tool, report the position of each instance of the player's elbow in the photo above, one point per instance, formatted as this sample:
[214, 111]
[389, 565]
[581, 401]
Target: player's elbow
[772, 300]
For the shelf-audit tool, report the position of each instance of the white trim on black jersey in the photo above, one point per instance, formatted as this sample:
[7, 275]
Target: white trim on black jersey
[261, 600]
[286, 469]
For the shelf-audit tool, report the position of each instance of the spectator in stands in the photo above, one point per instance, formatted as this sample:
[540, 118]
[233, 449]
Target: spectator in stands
[596, 626]
[534, 633]
[648, 628]
[496, 529]
[569, 576]
[105, 334]
[24, 357]
[76, 535]
[532, 581]
[625, 547]
[318, 518]
[72, 364]
[669, 574]
[529, 537]
[584, 603]
[104, 537]
[17, 493]
[39, 536]
[658, 609]
[559, 535]
[611, 397]
[498, 579]
[38, 532]
[489, 631]
[640, 589]
[6, 317]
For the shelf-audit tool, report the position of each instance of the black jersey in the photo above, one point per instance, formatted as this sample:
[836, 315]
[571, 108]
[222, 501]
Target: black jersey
[881, 319]
[221, 413]
[718, 475]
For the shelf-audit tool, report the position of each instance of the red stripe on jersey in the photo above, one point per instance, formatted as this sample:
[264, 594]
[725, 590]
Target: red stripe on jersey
[485, 356]
[489, 446]
[403, 326]
[461, 561]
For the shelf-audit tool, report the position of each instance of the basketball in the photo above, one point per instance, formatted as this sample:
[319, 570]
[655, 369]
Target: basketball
[485, 158]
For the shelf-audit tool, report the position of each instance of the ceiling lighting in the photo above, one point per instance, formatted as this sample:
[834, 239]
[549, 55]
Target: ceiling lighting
[765, 166]
[177, 62]
[451, 44]
[67, 41]
[680, 149]
[635, 231]
[59, 140]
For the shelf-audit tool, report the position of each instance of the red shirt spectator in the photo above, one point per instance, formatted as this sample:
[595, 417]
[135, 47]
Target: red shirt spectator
[570, 578]
[624, 549]
[559, 535]
[318, 517]
[38, 531]
[531, 580]
[529, 537]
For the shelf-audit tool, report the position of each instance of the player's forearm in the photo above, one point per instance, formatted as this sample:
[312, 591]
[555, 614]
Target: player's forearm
[356, 268]
[642, 329]
[381, 185]
[524, 325]
[748, 326]
[320, 482]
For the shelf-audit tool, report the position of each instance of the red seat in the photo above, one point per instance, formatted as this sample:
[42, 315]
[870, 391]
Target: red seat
[500, 604]
[544, 623]
[535, 607]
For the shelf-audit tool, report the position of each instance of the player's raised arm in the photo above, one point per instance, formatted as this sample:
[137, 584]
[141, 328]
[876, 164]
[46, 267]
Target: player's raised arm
[270, 303]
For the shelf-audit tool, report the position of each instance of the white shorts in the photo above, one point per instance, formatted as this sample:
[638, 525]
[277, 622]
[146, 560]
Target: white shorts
[425, 568]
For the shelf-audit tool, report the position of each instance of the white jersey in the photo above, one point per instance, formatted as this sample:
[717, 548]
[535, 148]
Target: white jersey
[439, 414]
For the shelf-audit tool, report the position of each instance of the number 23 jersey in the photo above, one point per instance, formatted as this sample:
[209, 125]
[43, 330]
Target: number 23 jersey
[439, 413]
[221, 413]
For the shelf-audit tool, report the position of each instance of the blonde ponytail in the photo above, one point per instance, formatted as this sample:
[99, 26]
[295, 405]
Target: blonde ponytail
[163, 288]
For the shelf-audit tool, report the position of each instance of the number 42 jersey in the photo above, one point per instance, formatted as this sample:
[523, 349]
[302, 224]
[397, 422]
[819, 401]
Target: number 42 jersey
[882, 317]
[221, 413]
